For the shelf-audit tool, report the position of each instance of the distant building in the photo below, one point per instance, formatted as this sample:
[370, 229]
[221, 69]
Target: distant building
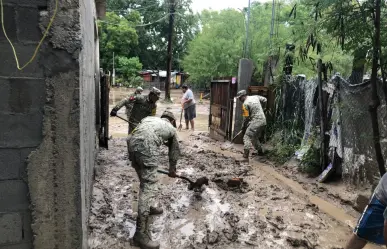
[177, 78]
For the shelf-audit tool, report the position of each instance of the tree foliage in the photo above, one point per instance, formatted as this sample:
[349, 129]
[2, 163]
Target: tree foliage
[215, 50]
[219, 46]
[118, 36]
[151, 28]
[128, 67]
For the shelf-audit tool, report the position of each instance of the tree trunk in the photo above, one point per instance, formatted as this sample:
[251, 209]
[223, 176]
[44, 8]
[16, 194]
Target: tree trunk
[375, 102]
[384, 74]
[169, 59]
[323, 160]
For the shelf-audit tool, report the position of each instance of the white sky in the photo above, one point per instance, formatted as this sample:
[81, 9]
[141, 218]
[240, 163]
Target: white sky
[199, 5]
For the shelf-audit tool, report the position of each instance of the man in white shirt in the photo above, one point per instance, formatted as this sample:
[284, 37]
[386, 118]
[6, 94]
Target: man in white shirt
[189, 105]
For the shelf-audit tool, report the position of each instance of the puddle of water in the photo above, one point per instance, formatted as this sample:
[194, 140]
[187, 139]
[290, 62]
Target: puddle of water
[188, 229]
[183, 201]
[216, 206]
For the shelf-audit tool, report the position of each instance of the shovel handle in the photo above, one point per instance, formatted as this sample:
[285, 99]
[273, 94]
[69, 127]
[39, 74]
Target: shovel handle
[178, 176]
[122, 118]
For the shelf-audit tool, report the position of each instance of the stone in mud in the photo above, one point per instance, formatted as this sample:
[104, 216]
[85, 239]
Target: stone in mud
[361, 203]
[230, 234]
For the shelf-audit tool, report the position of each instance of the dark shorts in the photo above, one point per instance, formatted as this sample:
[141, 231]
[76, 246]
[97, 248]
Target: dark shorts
[371, 223]
[190, 112]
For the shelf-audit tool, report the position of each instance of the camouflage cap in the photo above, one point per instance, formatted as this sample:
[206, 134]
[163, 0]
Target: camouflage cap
[155, 91]
[168, 114]
[241, 93]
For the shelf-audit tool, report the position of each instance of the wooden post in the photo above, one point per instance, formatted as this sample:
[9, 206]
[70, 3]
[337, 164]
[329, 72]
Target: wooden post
[322, 114]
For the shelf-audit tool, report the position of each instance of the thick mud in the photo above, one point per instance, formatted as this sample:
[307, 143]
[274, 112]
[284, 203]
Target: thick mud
[252, 211]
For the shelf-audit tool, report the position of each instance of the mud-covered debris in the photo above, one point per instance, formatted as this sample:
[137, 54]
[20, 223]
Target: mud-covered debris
[212, 237]
[300, 242]
[231, 234]
[233, 184]
[232, 219]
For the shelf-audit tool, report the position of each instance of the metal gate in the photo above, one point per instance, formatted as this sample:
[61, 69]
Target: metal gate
[223, 92]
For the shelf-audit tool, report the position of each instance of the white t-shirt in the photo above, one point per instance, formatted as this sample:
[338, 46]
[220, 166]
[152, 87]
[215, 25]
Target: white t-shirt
[189, 95]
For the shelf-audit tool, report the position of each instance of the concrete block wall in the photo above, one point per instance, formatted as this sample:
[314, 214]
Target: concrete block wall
[47, 127]
[22, 98]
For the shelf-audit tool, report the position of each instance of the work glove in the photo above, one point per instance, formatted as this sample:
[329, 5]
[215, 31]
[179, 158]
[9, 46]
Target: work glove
[113, 113]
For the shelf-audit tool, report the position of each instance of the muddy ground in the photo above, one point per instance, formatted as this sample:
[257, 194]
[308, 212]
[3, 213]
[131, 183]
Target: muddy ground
[258, 214]
[263, 212]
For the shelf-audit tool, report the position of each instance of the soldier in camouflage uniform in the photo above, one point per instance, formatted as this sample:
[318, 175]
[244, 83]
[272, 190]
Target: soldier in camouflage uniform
[254, 121]
[139, 90]
[144, 152]
[138, 107]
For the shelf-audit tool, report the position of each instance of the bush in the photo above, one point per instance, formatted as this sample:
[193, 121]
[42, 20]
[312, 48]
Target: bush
[282, 151]
[310, 163]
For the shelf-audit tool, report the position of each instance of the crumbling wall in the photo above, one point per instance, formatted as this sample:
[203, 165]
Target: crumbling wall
[47, 114]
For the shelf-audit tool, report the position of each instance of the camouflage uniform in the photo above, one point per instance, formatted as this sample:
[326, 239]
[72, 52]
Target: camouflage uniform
[144, 152]
[137, 108]
[254, 121]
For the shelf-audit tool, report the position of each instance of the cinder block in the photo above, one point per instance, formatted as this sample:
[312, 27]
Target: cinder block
[38, 3]
[18, 246]
[21, 130]
[11, 228]
[13, 196]
[27, 230]
[28, 25]
[8, 64]
[4, 94]
[9, 23]
[9, 164]
[26, 95]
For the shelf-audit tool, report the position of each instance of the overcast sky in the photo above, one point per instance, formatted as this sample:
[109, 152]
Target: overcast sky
[199, 5]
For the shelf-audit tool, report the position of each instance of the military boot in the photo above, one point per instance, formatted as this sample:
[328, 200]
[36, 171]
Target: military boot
[245, 158]
[141, 238]
[156, 210]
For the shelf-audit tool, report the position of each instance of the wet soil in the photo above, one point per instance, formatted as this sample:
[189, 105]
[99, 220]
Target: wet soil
[263, 210]
[259, 213]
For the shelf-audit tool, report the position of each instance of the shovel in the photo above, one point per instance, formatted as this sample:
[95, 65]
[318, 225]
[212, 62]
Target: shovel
[236, 136]
[196, 186]
[122, 118]
[181, 117]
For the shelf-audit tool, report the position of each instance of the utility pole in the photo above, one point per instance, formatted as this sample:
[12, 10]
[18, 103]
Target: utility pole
[169, 58]
[247, 30]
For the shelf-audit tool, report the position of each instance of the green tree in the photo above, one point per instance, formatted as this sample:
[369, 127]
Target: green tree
[118, 35]
[216, 50]
[153, 29]
[128, 67]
